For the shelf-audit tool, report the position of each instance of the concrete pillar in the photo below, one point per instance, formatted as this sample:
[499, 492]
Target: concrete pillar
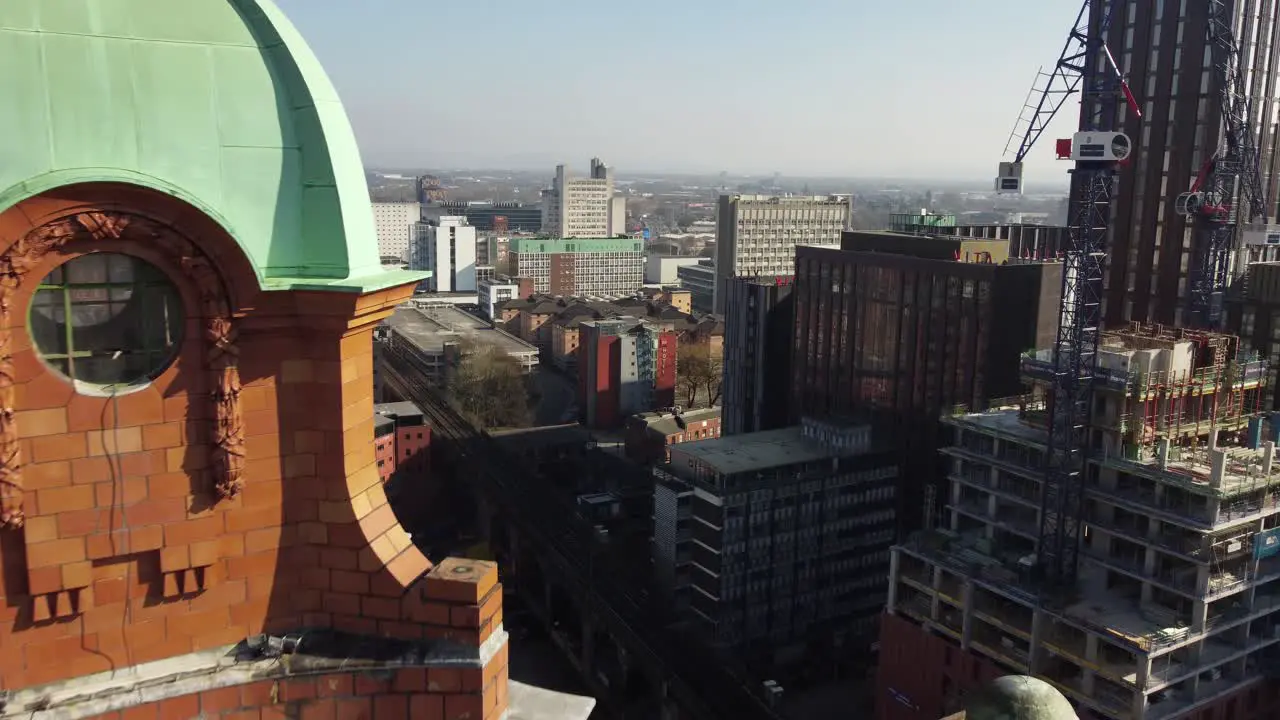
[966, 621]
[936, 584]
[1148, 568]
[667, 709]
[588, 658]
[894, 561]
[1199, 615]
[1143, 673]
[1038, 620]
[1139, 708]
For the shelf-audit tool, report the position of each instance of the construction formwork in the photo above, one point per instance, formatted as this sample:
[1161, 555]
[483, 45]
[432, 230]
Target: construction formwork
[1179, 592]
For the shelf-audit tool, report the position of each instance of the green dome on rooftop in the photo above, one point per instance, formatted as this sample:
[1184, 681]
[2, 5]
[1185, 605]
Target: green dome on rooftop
[1018, 697]
[217, 102]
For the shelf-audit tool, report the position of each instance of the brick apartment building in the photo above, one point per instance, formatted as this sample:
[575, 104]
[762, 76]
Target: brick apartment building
[187, 420]
[650, 435]
[401, 439]
[554, 324]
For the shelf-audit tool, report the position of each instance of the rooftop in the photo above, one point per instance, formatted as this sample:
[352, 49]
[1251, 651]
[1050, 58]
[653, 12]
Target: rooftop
[755, 451]
[397, 409]
[430, 328]
[538, 245]
[665, 422]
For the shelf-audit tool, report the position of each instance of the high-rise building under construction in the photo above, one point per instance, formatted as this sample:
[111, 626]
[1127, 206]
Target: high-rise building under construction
[1162, 49]
[1176, 613]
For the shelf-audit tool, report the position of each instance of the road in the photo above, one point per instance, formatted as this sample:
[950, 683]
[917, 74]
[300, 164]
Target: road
[535, 659]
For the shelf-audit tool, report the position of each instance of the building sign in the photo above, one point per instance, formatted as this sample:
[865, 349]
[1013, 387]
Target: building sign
[782, 280]
[1266, 544]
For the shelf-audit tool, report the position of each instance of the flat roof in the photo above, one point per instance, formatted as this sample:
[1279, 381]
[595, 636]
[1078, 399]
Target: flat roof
[430, 328]
[665, 422]
[754, 451]
[403, 408]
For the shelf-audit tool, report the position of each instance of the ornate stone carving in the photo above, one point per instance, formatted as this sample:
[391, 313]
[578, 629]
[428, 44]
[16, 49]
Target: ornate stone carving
[15, 263]
[220, 335]
[222, 360]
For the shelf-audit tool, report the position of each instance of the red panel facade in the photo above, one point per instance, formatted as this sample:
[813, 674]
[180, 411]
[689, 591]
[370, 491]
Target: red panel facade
[607, 370]
[921, 675]
[664, 381]
[412, 447]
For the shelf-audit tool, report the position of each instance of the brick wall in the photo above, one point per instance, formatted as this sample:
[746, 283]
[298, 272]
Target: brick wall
[463, 595]
[127, 555]
[329, 697]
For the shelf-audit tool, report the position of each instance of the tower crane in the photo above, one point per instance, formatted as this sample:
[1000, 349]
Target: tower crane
[1098, 148]
[1228, 189]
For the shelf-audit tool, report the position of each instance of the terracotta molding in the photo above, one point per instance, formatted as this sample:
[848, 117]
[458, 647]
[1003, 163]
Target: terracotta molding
[223, 354]
[15, 263]
[220, 334]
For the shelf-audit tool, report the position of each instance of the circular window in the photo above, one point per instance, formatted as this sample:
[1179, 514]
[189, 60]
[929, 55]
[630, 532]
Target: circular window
[106, 319]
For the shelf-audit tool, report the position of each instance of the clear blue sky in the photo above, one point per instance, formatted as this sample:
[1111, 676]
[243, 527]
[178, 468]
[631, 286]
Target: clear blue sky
[893, 88]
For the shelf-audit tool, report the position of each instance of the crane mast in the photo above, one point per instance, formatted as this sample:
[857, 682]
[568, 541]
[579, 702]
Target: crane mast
[1228, 189]
[1087, 67]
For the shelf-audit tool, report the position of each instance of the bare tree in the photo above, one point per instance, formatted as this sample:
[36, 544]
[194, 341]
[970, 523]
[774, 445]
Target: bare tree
[713, 381]
[490, 387]
[697, 371]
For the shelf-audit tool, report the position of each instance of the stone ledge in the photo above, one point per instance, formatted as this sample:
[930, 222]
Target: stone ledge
[227, 667]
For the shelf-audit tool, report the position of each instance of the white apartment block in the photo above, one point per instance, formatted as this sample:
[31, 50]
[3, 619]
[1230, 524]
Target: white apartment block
[617, 216]
[394, 222]
[757, 235]
[447, 247]
[580, 207]
[493, 290]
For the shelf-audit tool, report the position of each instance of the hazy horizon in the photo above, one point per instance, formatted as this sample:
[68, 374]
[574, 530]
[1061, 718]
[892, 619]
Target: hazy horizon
[914, 90]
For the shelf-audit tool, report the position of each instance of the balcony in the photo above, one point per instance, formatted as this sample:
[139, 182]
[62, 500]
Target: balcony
[1020, 523]
[1186, 548]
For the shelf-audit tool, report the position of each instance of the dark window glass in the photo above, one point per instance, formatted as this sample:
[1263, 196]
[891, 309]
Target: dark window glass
[106, 319]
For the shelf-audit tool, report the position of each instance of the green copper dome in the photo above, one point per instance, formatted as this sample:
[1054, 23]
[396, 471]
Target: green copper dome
[1018, 697]
[217, 102]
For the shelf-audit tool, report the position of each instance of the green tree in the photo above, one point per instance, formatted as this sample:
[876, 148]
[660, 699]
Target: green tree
[490, 387]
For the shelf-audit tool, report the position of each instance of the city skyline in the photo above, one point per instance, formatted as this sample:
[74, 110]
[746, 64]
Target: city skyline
[789, 85]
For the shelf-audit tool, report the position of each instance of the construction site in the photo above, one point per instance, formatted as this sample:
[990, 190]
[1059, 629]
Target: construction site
[1178, 596]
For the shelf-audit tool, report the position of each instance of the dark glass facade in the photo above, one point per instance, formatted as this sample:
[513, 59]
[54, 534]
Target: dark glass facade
[909, 337]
